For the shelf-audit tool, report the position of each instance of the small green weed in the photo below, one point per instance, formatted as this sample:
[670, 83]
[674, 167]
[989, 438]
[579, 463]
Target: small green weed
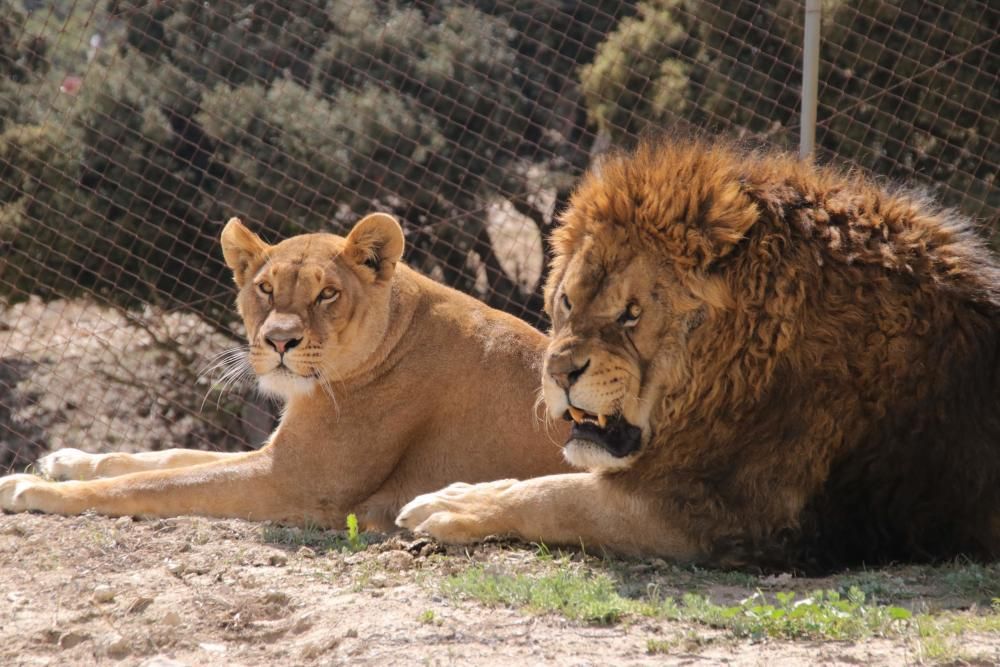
[353, 535]
[427, 617]
[658, 646]
[315, 537]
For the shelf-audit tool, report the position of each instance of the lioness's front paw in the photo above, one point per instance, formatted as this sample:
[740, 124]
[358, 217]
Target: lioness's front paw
[69, 463]
[15, 492]
[459, 513]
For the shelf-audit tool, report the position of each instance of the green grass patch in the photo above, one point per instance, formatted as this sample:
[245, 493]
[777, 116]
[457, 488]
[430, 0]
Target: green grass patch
[597, 598]
[584, 597]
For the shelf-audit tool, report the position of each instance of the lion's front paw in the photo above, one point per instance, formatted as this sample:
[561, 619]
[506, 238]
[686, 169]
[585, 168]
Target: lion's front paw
[15, 492]
[459, 513]
[69, 463]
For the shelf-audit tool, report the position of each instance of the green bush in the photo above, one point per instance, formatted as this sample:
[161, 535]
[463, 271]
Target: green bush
[906, 88]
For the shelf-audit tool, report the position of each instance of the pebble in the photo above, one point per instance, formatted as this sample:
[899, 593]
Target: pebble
[378, 581]
[277, 558]
[103, 593]
[123, 522]
[68, 640]
[175, 567]
[171, 618]
[115, 646]
[306, 552]
[396, 560]
[303, 623]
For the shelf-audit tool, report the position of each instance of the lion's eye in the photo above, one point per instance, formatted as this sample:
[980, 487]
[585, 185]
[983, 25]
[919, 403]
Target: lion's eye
[265, 287]
[630, 316]
[328, 294]
[565, 302]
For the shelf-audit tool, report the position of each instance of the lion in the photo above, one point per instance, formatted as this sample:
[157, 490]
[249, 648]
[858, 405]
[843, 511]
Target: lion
[765, 364]
[394, 385]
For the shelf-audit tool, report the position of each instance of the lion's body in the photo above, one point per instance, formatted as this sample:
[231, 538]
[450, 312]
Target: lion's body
[394, 385]
[815, 374]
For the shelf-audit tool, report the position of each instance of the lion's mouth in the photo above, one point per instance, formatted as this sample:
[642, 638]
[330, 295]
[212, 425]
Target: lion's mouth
[612, 433]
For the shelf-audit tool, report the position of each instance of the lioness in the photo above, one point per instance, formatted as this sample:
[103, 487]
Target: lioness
[394, 385]
[765, 363]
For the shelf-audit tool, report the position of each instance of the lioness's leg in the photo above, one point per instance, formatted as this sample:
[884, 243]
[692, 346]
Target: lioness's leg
[573, 509]
[240, 486]
[69, 463]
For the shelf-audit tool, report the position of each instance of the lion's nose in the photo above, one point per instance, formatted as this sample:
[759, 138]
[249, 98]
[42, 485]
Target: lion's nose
[565, 370]
[281, 341]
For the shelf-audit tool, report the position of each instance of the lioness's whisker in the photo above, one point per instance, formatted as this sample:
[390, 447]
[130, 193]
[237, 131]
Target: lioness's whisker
[235, 366]
[324, 383]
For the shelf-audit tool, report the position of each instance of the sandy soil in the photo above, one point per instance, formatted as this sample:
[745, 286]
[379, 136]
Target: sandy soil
[195, 591]
[192, 591]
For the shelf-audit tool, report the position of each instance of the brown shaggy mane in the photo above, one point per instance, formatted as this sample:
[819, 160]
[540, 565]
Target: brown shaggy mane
[843, 406]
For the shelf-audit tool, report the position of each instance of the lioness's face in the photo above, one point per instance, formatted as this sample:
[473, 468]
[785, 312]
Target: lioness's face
[619, 336]
[316, 306]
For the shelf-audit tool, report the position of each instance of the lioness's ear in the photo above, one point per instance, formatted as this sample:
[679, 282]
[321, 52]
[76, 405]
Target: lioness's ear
[242, 249]
[376, 242]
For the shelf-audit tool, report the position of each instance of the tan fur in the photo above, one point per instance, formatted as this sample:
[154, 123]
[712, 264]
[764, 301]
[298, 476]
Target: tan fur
[815, 371]
[394, 385]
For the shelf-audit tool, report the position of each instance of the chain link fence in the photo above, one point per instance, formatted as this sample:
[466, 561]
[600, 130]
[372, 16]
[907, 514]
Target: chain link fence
[131, 130]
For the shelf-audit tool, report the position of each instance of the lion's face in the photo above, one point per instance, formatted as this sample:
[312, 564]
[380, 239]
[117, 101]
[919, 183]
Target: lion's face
[618, 343]
[316, 306]
[631, 294]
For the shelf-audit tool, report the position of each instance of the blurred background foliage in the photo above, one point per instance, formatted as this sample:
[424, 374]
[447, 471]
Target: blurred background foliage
[130, 130]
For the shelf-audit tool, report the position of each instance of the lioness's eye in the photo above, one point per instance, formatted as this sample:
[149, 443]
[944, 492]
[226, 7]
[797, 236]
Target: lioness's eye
[630, 316]
[565, 302]
[265, 287]
[328, 294]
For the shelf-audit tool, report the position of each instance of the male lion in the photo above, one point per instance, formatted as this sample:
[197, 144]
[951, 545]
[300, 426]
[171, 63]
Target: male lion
[765, 363]
[394, 385]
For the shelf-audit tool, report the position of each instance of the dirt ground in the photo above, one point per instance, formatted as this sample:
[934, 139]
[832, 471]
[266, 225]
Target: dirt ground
[194, 591]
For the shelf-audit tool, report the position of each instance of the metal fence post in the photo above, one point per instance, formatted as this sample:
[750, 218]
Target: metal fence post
[810, 78]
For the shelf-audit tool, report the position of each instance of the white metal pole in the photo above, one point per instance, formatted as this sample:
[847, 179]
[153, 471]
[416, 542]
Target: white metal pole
[810, 78]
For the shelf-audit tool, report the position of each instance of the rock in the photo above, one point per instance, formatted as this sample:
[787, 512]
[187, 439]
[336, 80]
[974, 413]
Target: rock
[305, 552]
[123, 523]
[171, 618]
[396, 560]
[378, 581]
[303, 623]
[114, 645]
[103, 593]
[277, 558]
[68, 640]
[175, 567]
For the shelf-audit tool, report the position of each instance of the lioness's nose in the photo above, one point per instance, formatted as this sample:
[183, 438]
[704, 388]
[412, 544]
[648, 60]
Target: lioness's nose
[281, 342]
[565, 370]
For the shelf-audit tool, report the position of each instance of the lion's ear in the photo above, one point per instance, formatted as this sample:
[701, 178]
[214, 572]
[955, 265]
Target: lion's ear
[242, 249]
[376, 242]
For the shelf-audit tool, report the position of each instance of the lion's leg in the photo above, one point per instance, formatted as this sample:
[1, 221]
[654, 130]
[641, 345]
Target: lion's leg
[571, 509]
[69, 463]
[239, 486]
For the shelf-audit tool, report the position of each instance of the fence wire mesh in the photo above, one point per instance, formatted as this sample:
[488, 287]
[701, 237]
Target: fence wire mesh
[131, 130]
